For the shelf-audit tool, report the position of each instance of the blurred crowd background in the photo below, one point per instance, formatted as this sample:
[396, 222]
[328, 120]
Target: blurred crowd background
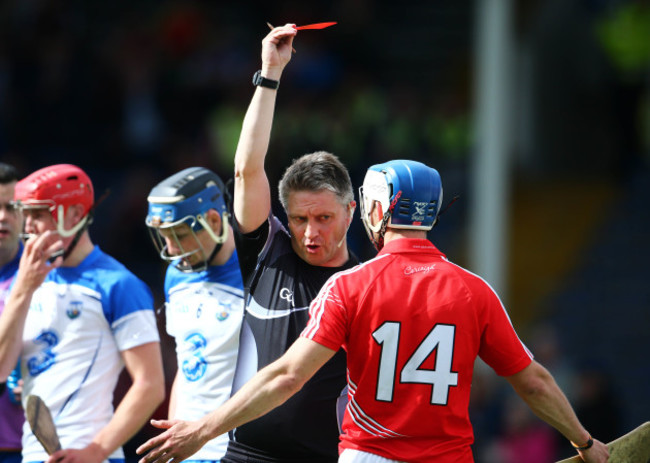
[134, 91]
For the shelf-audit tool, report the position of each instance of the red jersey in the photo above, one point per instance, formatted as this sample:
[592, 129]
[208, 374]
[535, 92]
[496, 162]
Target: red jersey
[413, 324]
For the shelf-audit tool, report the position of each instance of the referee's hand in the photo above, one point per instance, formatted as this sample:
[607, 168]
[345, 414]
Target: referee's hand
[181, 440]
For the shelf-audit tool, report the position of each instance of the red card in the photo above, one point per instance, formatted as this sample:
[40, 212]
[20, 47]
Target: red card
[315, 26]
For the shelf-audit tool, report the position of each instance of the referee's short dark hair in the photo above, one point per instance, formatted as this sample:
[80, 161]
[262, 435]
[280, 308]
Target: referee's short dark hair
[8, 173]
[316, 172]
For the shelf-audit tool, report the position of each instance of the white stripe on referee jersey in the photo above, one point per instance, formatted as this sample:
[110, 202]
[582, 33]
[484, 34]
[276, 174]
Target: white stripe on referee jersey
[263, 313]
[318, 304]
[500, 303]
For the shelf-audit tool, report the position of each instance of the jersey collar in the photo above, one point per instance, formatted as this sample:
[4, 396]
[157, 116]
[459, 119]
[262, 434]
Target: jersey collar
[410, 245]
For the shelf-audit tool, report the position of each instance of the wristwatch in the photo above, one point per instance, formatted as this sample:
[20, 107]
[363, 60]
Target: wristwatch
[264, 82]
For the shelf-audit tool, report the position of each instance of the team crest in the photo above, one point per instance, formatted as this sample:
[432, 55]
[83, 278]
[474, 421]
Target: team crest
[73, 310]
[223, 311]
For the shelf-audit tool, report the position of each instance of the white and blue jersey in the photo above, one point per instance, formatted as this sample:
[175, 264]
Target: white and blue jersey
[204, 313]
[79, 321]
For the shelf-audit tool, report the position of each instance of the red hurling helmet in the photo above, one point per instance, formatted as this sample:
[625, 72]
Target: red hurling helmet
[56, 188]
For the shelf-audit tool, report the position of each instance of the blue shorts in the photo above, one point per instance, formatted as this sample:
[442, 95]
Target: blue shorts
[10, 457]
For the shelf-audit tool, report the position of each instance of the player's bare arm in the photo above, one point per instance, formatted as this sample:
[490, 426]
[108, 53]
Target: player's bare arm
[144, 366]
[33, 268]
[535, 385]
[269, 388]
[252, 197]
[171, 411]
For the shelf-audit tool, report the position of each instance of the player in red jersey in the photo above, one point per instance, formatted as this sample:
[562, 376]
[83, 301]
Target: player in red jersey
[413, 324]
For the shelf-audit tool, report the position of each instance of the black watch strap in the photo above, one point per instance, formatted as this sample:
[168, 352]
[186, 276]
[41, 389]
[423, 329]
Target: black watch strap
[264, 82]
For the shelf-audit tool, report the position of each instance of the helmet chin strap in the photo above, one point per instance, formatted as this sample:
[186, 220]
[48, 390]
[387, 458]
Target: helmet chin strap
[60, 227]
[214, 252]
[224, 228]
[199, 267]
[78, 229]
[217, 239]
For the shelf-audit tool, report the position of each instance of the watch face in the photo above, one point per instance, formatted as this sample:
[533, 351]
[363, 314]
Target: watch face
[264, 82]
[257, 78]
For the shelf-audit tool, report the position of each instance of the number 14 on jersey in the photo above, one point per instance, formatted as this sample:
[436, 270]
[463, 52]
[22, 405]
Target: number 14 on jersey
[440, 339]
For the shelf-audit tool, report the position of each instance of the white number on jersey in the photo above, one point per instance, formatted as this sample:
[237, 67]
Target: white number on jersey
[440, 339]
[194, 364]
[42, 361]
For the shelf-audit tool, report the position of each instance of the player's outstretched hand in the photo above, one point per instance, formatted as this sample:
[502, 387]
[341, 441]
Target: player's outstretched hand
[598, 453]
[180, 440]
[276, 50]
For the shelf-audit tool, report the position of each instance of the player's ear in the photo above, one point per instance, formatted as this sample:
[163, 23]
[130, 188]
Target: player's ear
[351, 207]
[214, 219]
[73, 214]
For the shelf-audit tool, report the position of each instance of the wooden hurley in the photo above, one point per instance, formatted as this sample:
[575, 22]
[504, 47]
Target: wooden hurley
[40, 420]
[633, 447]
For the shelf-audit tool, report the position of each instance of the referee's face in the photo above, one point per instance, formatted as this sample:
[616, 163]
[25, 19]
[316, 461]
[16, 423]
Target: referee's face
[318, 223]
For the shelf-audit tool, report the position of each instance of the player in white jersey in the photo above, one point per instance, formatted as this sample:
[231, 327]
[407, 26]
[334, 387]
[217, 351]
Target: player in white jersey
[188, 220]
[77, 317]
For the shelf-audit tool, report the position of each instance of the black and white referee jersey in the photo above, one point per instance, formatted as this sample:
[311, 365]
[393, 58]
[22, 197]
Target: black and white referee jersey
[280, 286]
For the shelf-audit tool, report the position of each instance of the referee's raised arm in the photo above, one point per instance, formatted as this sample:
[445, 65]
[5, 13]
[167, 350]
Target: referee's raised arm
[252, 197]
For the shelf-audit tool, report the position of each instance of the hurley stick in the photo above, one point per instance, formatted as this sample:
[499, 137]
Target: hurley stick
[633, 447]
[40, 420]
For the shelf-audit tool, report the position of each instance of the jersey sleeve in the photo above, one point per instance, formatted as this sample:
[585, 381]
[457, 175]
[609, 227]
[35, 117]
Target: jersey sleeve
[249, 246]
[328, 316]
[131, 314]
[501, 347]
[135, 329]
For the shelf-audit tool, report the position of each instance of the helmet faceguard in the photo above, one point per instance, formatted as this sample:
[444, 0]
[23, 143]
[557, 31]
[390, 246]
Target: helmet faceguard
[410, 195]
[56, 188]
[185, 199]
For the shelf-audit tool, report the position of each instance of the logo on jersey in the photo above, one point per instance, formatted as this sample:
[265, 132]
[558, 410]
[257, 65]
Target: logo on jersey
[224, 309]
[194, 365]
[74, 309]
[423, 268]
[287, 295]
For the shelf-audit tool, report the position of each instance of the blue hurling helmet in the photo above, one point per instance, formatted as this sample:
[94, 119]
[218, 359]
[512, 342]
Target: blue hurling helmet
[185, 198]
[410, 194]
